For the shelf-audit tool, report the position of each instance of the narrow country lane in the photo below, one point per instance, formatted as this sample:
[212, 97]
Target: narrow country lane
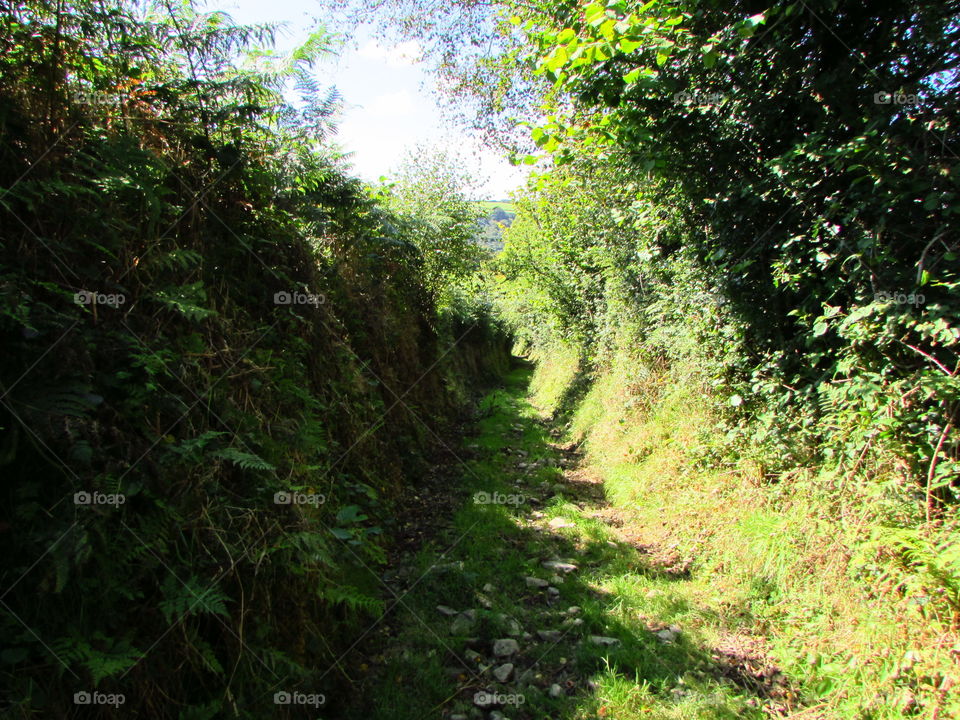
[530, 602]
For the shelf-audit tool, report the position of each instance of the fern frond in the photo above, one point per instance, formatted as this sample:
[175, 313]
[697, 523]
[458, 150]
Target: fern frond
[245, 460]
[191, 597]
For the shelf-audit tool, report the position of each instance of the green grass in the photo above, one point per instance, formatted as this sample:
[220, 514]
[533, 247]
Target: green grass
[841, 614]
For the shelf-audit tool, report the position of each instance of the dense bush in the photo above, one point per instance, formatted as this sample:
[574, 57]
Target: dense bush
[202, 318]
[808, 153]
[747, 210]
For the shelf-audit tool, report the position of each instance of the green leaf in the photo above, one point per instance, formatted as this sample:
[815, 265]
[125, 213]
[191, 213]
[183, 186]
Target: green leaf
[187, 300]
[557, 59]
[859, 314]
[748, 27]
[350, 514]
[608, 29]
[595, 14]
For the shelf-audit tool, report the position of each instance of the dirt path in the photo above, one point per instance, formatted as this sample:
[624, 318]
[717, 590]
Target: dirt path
[519, 592]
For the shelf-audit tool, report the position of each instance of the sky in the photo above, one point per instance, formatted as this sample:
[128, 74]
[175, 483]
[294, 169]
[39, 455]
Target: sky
[389, 107]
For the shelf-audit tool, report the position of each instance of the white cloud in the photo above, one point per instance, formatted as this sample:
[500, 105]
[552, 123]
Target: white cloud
[405, 53]
[395, 104]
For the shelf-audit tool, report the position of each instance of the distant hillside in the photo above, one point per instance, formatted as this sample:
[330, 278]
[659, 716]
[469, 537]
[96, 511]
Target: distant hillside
[500, 215]
[506, 205]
